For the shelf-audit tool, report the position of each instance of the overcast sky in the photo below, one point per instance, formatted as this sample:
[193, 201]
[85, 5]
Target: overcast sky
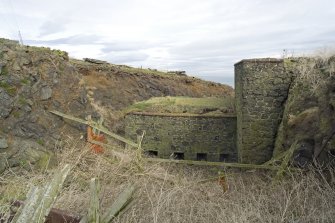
[203, 37]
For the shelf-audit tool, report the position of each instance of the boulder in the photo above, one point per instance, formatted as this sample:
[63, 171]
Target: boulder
[46, 93]
[30, 152]
[6, 103]
[3, 143]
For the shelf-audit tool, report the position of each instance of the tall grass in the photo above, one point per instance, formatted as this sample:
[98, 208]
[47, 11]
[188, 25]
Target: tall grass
[176, 193]
[317, 69]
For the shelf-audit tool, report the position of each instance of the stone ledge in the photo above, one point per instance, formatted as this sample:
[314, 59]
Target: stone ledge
[260, 60]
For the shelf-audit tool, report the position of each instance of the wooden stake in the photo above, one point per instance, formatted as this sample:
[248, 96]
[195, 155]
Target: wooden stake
[219, 164]
[121, 202]
[40, 200]
[94, 209]
[284, 165]
[97, 127]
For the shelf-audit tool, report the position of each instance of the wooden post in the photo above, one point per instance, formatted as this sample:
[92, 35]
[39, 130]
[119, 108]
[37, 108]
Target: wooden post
[121, 202]
[277, 158]
[94, 209]
[40, 200]
[26, 211]
[139, 140]
[97, 127]
[218, 164]
[284, 165]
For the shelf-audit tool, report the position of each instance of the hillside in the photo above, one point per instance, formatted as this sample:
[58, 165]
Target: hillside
[34, 80]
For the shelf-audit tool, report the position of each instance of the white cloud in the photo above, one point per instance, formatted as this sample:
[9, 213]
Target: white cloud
[205, 38]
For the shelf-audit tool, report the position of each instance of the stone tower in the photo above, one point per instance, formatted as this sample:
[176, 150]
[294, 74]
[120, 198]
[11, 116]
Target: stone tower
[261, 89]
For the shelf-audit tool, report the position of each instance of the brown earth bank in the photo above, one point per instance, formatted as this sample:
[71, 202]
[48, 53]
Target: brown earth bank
[35, 80]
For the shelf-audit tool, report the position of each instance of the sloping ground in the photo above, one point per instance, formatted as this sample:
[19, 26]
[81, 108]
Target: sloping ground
[166, 193]
[34, 80]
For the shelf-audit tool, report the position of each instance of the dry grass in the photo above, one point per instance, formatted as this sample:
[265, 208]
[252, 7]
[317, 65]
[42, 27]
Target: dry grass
[317, 69]
[175, 193]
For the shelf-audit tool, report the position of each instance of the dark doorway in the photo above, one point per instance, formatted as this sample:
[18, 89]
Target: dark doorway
[202, 156]
[178, 156]
[151, 153]
[224, 157]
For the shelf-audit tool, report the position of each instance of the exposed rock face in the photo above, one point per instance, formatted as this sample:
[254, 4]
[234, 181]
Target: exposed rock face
[25, 152]
[34, 80]
[6, 104]
[46, 93]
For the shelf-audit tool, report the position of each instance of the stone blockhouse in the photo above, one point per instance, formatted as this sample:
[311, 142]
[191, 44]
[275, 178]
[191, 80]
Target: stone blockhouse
[191, 137]
[185, 128]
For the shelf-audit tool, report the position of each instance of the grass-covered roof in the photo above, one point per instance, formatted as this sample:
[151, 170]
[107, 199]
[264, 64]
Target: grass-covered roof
[185, 105]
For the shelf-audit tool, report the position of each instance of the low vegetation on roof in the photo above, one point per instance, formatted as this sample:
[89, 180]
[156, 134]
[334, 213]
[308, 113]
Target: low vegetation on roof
[188, 105]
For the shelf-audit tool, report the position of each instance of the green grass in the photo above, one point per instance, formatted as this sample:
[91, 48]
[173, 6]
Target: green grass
[40, 142]
[4, 71]
[11, 90]
[183, 105]
[25, 81]
[22, 100]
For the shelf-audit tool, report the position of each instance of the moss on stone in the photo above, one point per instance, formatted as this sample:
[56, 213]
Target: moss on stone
[188, 135]
[261, 88]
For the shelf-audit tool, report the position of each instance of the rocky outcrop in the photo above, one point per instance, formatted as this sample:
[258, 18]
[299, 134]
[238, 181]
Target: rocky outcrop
[33, 81]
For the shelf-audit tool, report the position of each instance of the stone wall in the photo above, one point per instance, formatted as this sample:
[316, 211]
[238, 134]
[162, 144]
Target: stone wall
[187, 137]
[261, 89]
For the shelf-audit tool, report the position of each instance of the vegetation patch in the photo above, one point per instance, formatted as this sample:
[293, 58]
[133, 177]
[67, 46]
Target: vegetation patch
[25, 81]
[40, 142]
[61, 53]
[184, 105]
[11, 90]
[4, 71]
